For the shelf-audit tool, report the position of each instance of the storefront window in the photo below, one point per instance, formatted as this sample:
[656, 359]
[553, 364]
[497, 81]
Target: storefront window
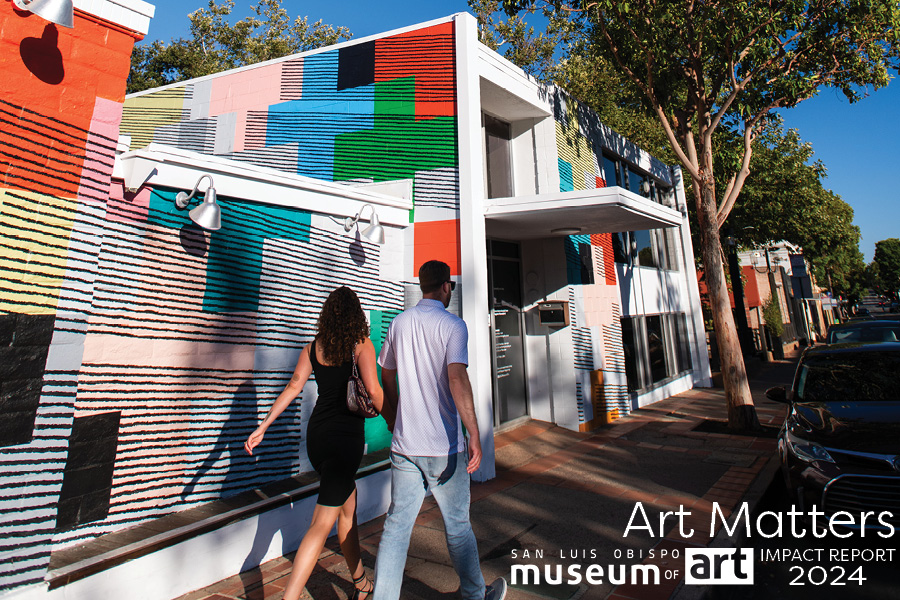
[646, 255]
[499, 169]
[622, 247]
[611, 171]
[681, 342]
[635, 180]
[632, 354]
[656, 348]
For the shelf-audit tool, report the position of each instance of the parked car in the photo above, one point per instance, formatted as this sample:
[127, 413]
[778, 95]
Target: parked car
[862, 311]
[840, 442]
[866, 331]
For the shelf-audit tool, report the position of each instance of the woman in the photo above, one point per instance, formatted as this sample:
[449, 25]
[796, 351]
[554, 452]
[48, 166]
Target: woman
[335, 437]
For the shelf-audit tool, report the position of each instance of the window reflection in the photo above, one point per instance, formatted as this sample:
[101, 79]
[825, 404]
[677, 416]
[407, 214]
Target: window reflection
[656, 348]
[643, 241]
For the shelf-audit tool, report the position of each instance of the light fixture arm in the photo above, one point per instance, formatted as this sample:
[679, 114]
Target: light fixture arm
[182, 199]
[374, 232]
[349, 222]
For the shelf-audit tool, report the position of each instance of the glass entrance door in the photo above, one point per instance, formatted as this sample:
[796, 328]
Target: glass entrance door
[507, 321]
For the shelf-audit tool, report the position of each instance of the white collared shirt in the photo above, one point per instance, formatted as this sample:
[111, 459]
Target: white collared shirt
[420, 343]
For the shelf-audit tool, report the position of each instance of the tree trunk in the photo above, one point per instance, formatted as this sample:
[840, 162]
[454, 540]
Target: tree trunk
[741, 411]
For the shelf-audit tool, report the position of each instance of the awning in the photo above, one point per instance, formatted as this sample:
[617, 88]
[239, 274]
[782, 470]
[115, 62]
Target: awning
[603, 210]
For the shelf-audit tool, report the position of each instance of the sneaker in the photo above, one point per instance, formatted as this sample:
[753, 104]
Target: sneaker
[496, 591]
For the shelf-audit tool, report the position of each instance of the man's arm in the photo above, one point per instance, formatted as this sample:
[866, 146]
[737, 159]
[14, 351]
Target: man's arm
[461, 389]
[391, 394]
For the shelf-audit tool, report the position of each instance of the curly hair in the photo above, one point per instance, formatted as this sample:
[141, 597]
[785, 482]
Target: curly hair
[342, 325]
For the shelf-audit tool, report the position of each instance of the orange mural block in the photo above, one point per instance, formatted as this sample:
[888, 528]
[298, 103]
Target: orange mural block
[604, 240]
[436, 240]
[52, 78]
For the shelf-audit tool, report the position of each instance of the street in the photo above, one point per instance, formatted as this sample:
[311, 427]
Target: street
[807, 572]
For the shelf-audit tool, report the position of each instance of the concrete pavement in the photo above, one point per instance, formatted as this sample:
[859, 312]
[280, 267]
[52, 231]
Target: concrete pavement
[563, 498]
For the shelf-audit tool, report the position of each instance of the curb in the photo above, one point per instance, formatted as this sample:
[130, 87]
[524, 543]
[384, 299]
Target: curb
[722, 540]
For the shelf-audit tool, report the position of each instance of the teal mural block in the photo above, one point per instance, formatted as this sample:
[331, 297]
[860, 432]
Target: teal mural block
[234, 253]
[377, 435]
[566, 182]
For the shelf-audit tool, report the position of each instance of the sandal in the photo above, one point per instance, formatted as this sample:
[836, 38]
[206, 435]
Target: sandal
[366, 590]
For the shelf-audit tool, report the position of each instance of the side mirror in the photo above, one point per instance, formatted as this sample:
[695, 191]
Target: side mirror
[777, 394]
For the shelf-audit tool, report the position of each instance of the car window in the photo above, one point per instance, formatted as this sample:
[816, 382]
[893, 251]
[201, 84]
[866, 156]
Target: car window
[864, 377]
[844, 335]
[865, 333]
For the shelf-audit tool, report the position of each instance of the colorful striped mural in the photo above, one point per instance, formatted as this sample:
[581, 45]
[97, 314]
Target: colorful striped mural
[591, 273]
[379, 110]
[140, 351]
[60, 105]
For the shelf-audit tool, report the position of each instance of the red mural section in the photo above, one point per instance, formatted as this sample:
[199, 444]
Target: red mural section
[428, 55]
[52, 78]
[604, 240]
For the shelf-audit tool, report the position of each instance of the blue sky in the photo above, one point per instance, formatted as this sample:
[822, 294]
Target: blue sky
[858, 143]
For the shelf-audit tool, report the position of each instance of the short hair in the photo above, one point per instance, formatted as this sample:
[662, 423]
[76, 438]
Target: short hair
[432, 275]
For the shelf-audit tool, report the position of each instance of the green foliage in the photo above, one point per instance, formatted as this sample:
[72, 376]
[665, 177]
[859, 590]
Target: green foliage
[784, 199]
[772, 316]
[534, 52]
[727, 64]
[887, 260]
[216, 45]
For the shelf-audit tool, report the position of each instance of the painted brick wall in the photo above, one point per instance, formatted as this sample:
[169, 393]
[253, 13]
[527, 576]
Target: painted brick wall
[61, 99]
[140, 351]
[365, 112]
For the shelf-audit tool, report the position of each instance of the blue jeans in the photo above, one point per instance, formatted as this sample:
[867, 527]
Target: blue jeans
[448, 481]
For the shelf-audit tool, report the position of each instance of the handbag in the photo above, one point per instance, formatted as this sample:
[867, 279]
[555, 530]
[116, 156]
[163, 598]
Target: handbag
[358, 401]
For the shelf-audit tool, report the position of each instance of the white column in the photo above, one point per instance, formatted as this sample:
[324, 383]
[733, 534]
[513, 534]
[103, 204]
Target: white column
[473, 254]
[699, 354]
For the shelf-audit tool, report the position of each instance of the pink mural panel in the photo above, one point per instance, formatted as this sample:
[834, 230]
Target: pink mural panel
[127, 207]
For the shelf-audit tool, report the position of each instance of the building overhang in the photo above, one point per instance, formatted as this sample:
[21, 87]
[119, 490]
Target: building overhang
[161, 165]
[603, 210]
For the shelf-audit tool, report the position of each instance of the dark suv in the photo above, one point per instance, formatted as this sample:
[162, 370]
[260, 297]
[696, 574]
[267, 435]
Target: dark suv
[840, 442]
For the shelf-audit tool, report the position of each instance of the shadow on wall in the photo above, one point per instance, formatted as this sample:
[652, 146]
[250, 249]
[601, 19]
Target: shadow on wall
[42, 57]
[228, 468]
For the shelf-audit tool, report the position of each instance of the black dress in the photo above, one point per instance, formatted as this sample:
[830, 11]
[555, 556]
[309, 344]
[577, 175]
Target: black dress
[335, 437]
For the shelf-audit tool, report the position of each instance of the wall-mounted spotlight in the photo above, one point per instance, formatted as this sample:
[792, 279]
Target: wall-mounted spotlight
[374, 232]
[61, 12]
[207, 215]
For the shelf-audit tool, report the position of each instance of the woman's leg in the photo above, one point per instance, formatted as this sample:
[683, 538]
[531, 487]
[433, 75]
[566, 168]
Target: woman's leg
[310, 548]
[348, 536]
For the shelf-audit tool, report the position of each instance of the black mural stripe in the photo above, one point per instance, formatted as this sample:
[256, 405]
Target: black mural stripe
[121, 499]
[42, 131]
[169, 368]
[77, 176]
[46, 230]
[56, 121]
[104, 153]
[75, 181]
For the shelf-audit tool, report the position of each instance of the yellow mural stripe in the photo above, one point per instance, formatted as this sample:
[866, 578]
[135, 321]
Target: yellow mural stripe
[34, 240]
[574, 148]
[142, 115]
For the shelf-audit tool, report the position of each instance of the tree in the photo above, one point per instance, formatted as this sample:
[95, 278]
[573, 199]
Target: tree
[216, 45]
[784, 199]
[702, 66]
[887, 260]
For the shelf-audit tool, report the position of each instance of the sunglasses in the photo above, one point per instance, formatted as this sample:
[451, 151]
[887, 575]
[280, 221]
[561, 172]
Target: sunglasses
[452, 285]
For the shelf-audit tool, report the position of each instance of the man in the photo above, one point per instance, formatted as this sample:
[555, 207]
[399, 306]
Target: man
[427, 393]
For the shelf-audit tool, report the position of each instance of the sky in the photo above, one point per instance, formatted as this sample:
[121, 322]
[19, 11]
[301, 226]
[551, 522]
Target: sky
[858, 143]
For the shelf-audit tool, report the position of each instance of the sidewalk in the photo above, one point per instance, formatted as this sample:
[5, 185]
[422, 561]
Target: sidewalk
[562, 497]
